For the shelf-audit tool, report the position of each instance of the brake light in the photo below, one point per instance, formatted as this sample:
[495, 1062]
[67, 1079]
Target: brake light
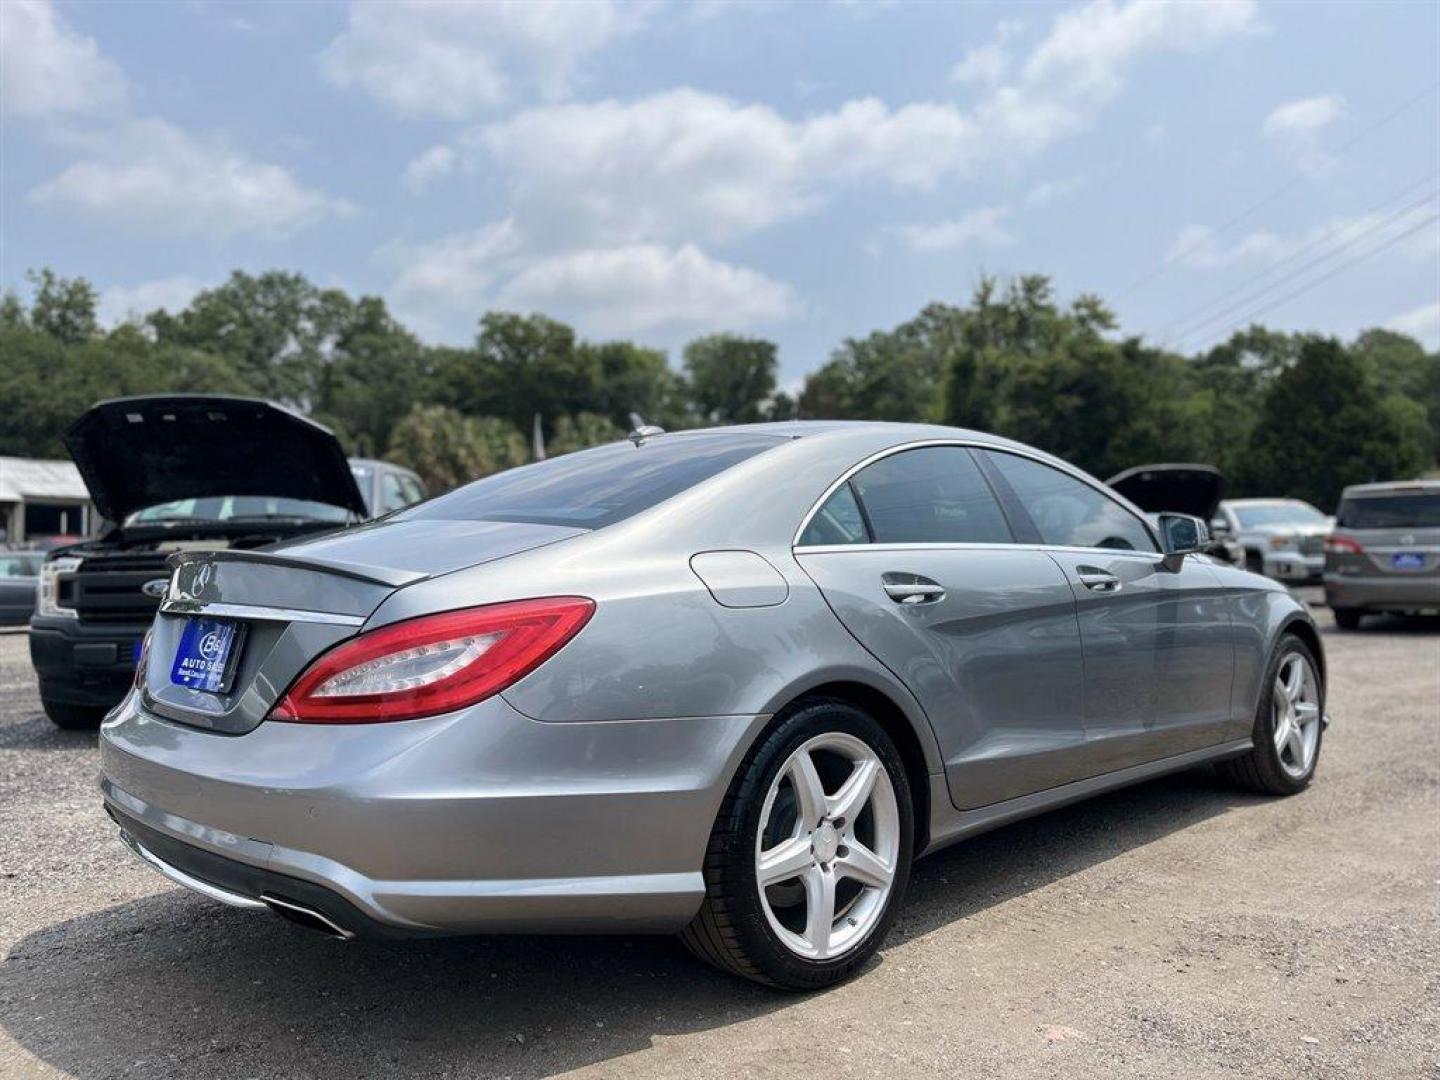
[432, 664]
[142, 661]
[1343, 545]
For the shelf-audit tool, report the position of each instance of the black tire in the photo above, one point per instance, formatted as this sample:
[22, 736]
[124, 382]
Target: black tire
[73, 717]
[1347, 618]
[1259, 769]
[1254, 562]
[731, 931]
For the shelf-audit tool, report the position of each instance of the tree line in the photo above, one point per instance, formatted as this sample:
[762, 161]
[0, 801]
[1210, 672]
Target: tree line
[1278, 413]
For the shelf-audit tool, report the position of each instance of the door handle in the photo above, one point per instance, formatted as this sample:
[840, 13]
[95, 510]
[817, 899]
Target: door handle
[912, 589]
[1097, 580]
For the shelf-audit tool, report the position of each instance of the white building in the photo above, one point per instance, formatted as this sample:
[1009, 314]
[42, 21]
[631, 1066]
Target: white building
[39, 499]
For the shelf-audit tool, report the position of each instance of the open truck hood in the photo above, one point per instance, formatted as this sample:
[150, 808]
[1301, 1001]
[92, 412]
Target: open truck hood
[140, 451]
[1176, 489]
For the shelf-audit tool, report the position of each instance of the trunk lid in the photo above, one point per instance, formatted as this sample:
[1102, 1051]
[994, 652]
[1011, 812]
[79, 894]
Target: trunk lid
[1176, 489]
[143, 451]
[284, 606]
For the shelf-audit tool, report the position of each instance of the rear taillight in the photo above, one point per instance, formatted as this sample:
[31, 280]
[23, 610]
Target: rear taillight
[1343, 545]
[142, 661]
[433, 664]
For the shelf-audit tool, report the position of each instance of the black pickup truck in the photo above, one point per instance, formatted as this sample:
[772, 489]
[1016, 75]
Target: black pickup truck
[179, 473]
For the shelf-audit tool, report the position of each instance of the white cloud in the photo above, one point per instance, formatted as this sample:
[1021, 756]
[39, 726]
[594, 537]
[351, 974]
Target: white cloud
[121, 302]
[1303, 117]
[431, 165]
[456, 272]
[622, 289]
[1048, 191]
[1335, 241]
[150, 175]
[455, 60]
[985, 64]
[687, 164]
[48, 68]
[1421, 323]
[642, 287]
[982, 227]
[989, 63]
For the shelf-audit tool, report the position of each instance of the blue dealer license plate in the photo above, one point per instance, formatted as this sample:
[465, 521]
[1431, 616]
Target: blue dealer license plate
[206, 657]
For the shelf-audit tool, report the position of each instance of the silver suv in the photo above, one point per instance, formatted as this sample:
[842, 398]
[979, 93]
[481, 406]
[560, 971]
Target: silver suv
[1283, 538]
[1384, 554]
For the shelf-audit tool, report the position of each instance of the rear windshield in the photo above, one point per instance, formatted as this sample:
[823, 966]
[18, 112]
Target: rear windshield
[1418, 511]
[590, 489]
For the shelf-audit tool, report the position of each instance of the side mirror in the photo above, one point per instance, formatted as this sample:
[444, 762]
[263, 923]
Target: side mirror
[1181, 534]
[1219, 526]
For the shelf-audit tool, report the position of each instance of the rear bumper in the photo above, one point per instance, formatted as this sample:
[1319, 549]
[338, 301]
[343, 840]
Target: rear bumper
[80, 664]
[476, 822]
[1293, 566]
[1389, 593]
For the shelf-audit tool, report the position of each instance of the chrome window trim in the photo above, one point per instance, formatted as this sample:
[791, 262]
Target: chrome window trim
[262, 614]
[840, 549]
[970, 444]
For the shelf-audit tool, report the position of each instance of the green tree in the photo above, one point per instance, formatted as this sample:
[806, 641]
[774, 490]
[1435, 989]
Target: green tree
[448, 449]
[278, 328]
[62, 307]
[1322, 425]
[580, 431]
[373, 377]
[730, 377]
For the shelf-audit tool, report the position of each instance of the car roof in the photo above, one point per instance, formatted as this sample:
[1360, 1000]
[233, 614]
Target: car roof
[1390, 487]
[901, 432]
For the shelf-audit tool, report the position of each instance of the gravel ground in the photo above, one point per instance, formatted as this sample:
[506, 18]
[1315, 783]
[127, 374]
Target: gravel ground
[1176, 928]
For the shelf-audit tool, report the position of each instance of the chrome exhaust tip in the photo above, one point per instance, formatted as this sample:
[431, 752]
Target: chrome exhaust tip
[309, 918]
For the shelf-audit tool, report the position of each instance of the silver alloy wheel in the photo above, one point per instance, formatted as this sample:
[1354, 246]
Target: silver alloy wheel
[1296, 697]
[852, 835]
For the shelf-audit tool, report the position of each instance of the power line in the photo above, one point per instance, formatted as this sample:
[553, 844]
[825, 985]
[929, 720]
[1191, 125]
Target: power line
[1184, 321]
[1326, 277]
[1271, 196]
[1399, 215]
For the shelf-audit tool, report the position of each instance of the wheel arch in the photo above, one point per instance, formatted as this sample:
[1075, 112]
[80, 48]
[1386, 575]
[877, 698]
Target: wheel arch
[889, 714]
[1305, 630]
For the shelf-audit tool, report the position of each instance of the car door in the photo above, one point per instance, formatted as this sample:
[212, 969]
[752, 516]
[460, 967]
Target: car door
[916, 557]
[1156, 633]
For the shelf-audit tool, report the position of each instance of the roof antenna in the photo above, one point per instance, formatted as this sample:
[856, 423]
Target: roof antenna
[640, 431]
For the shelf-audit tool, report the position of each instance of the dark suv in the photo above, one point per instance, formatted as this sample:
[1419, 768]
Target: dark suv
[177, 473]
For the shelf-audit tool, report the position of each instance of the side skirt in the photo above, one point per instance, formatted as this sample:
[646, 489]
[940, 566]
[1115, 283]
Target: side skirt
[948, 825]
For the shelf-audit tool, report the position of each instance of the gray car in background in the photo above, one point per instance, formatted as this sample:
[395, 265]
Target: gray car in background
[19, 572]
[727, 683]
[1384, 554]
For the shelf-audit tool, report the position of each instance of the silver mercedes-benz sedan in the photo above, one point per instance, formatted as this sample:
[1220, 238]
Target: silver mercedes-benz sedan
[728, 683]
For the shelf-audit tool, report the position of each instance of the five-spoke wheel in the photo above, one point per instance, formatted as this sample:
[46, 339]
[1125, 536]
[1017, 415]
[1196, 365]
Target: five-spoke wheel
[810, 853]
[1289, 724]
[825, 856]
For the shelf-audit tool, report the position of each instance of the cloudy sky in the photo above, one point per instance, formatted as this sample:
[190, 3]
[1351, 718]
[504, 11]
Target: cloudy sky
[802, 171]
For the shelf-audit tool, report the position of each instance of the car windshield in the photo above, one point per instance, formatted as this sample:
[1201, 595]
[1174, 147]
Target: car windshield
[1278, 514]
[1400, 511]
[19, 565]
[238, 508]
[590, 489]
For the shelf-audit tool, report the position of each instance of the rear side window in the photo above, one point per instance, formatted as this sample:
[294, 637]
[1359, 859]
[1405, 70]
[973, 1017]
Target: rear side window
[935, 494]
[1408, 511]
[839, 521]
[590, 489]
[1069, 513]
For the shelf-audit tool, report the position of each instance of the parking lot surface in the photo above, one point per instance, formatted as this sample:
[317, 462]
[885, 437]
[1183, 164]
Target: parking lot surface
[1176, 928]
